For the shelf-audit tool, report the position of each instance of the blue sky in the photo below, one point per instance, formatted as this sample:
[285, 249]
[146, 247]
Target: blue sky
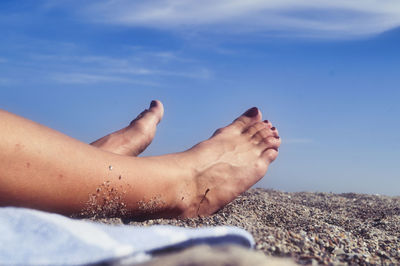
[326, 74]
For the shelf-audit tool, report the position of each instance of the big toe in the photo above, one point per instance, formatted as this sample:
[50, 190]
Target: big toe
[247, 119]
[149, 118]
[157, 110]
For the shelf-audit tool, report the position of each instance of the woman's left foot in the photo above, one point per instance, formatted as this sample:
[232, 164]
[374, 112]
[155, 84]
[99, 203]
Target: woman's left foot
[134, 139]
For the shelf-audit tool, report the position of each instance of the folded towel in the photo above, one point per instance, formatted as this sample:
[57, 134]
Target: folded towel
[31, 237]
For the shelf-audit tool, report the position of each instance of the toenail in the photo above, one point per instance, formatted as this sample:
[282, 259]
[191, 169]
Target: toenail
[153, 104]
[252, 112]
[266, 121]
[273, 128]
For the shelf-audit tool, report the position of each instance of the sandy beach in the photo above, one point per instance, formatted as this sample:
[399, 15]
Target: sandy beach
[311, 228]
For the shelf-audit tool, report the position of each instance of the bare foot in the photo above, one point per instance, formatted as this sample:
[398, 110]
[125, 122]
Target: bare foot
[229, 163]
[134, 139]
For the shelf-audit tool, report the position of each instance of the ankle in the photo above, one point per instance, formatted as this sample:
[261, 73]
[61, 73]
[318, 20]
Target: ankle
[184, 191]
[174, 185]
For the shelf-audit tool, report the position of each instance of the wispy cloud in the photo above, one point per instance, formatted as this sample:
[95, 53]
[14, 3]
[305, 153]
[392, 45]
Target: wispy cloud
[101, 67]
[82, 78]
[201, 73]
[3, 60]
[143, 67]
[316, 18]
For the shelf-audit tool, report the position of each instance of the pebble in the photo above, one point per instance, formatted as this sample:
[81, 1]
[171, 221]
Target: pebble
[344, 229]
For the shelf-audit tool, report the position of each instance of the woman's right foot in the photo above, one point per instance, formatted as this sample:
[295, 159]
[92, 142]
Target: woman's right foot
[227, 164]
[134, 139]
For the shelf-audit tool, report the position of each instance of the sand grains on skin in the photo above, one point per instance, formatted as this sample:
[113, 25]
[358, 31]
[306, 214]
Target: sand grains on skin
[108, 201]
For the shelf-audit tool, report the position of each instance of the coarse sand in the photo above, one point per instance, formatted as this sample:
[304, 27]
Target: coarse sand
[310, 228]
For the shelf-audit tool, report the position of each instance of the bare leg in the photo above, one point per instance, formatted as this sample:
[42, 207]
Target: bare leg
[134, 139]
[44, 169]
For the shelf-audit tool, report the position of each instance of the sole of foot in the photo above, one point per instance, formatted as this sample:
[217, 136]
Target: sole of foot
[134, 139]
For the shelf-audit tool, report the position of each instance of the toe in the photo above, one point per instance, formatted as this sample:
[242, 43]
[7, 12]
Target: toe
[157, 109]
[270, 146]
[243, 122]
[252, 130]
[269, 155]
[264, 133]
[261, 135]
[149, 117]
[271, 142]
[270, 126]
[274, 131]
